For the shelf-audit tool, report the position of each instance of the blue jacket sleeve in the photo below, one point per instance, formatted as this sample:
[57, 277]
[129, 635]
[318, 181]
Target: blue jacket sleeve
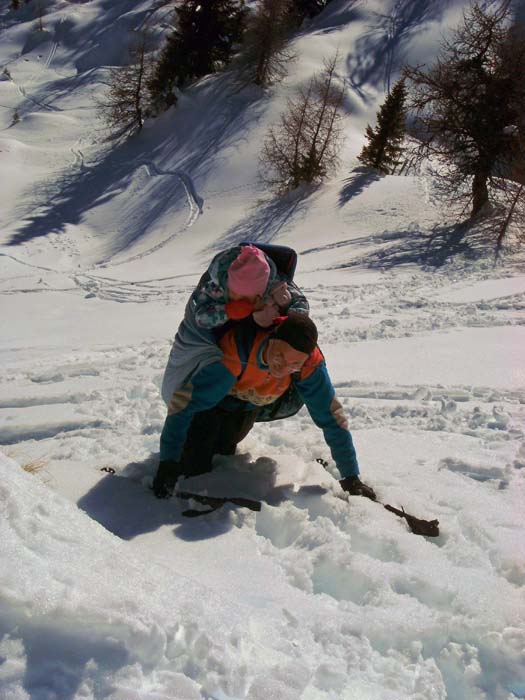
[319, 397]
[205, 390]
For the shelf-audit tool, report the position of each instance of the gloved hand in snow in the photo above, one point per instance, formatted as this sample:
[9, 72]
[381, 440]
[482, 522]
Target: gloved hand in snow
[355, 487]
[238, 309]
[264, 317]
[281, 295]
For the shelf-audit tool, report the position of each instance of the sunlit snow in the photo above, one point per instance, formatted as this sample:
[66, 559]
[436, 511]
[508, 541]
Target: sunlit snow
[109, 594]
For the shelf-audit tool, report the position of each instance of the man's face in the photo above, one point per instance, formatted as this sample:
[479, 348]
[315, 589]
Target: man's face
[282, 359]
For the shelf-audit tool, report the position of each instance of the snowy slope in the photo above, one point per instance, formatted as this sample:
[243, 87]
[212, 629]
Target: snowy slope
[106, 593]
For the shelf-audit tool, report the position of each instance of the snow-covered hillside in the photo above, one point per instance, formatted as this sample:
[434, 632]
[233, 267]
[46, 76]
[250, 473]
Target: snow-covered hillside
[107, 593]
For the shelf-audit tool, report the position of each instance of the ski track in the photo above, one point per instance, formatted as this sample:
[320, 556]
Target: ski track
[391, 310]
[27, 264]
[78, 155]
[195, 204]
[131, 292]
[22, 89]
[52, 53]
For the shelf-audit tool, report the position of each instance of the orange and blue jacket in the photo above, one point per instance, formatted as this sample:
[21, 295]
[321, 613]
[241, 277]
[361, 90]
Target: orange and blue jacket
[234, 384]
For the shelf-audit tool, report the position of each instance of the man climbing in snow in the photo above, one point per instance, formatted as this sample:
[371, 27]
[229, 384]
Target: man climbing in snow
[263, 374]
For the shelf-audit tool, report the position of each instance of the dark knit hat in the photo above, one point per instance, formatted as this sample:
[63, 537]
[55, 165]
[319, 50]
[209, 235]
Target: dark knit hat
[299, 331]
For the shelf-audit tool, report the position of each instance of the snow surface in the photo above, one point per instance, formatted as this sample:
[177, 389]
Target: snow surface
[107, 593]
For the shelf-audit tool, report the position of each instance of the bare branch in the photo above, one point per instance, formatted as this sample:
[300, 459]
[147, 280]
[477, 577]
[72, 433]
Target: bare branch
[304, 146]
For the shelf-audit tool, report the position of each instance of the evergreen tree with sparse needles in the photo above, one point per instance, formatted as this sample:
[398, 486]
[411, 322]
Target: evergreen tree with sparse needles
[265, 54]
[468, 108]
[126, 104]
[306, 9]
[303, 147]
[202, 42]
[384, 147]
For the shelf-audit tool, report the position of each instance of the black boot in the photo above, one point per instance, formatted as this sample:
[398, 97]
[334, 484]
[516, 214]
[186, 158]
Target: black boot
[355, 487]
[167, 474]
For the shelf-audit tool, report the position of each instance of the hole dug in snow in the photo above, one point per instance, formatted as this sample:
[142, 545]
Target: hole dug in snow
[282, 526]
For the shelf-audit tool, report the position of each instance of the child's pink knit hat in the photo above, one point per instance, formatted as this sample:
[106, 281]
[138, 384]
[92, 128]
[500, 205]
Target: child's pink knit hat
[249, 272]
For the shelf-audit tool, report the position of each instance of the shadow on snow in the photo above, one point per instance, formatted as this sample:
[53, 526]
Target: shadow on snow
[57, 654]
[126, 506]
[428, 250]
[356, 184]
[266, 220]
[67, 199]
[379, 52]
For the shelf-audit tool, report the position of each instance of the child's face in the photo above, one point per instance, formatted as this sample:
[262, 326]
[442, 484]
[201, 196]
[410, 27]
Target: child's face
[253, 299]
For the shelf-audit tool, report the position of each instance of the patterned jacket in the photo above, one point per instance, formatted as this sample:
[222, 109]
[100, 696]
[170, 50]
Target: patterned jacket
[211, 296]
[225, 383]
[195, 345]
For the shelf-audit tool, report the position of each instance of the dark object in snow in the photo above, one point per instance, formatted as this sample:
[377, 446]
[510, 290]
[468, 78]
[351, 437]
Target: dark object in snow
[355, 487]
[352, 484]
[167, 474]
[108, 470]
[427, 528]
[164, 487]
[215, 503]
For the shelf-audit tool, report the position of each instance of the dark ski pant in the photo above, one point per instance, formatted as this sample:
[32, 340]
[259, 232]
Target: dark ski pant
[215, 431]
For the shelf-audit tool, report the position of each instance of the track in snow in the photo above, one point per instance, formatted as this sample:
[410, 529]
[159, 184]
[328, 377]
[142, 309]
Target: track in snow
[195, 204]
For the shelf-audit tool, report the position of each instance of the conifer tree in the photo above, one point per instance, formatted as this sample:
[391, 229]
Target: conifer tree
[15, 4]
[265, 54]
[40, 12]
[384, 141]
[470, 102]
[202, 42]
[304, 146]
[126, 103]
[303, 9]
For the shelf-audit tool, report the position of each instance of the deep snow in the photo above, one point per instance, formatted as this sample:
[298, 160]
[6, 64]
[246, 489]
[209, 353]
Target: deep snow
[107, 593]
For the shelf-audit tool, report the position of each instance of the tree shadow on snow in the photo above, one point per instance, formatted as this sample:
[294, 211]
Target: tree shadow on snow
[333, 18]
[65, 200]
[125, 505]
[428, 250]
[144, 164]
[265, 221]
[357, 183]
[379, 52]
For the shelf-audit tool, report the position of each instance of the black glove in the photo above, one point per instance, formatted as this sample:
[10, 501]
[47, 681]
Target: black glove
[166, 478]
[355, 487]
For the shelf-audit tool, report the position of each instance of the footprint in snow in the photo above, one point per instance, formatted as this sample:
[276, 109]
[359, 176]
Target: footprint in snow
[477, 472]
